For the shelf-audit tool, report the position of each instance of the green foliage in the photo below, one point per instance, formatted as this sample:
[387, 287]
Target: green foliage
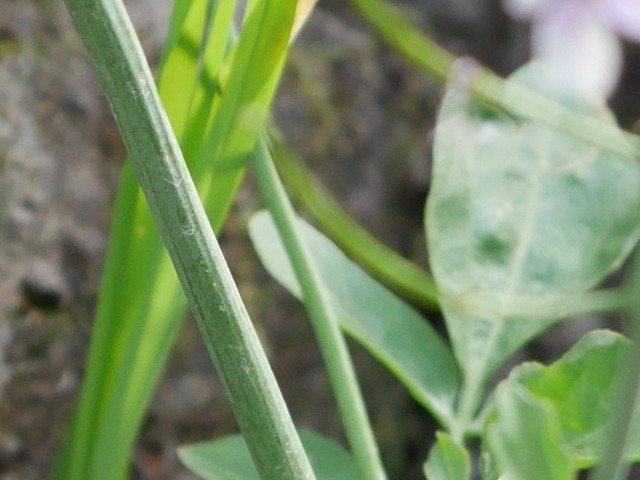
[392, 331]
[522, 220]
[228, 459]
[529, 209]
[331, 342]
[519, 216]
[141, 304]
[417, 48]
[550, 421]
[447, 460]
[393, 270]
[582, 387]
[526, 441]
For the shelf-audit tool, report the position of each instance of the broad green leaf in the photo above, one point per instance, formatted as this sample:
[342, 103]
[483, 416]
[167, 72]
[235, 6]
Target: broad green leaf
[520, 216]
[229, 459]
[525, 438]
[582, 386]
[447, 460]
[392, 331]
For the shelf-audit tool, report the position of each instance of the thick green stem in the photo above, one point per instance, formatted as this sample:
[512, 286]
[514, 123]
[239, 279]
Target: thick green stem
[262, 415]
[330, 339]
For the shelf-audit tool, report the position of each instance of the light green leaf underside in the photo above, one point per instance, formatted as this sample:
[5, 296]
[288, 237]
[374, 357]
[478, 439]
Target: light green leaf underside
[392, 331]
[518, 210]
[229, 459]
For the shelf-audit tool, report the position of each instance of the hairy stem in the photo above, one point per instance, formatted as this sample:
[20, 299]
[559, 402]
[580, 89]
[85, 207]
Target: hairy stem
[262, 415]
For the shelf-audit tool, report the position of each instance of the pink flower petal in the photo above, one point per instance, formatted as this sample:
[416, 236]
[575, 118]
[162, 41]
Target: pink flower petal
[580, 48]
[623, 16]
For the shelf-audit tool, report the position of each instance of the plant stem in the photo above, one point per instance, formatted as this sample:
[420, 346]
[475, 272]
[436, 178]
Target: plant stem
[398, 273]
[330, 339]
[468, 403]
[262, 415]
[486, 86]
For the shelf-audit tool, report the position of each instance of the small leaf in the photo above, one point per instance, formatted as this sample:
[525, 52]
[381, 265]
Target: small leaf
[393, 332]
[520, 215]
[229, 459]
[582, 386]
[525, 437]
[224, 459]
[447, 460]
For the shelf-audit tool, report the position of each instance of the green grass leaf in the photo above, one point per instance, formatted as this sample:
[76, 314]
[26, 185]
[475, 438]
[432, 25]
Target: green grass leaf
[393, 332]
[255, 67]
[520, 215]
[228, 459]
[447, 460]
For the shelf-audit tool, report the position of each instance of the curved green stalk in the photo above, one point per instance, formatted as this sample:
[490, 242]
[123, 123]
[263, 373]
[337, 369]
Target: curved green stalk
[398, 273]
[488, 87]
[395, 271]
[260, 410]
[330, 339]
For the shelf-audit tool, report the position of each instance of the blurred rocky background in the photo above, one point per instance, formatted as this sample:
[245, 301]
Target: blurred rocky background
[360, 116]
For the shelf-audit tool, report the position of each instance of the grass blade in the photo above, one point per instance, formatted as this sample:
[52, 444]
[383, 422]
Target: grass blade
[141, 298]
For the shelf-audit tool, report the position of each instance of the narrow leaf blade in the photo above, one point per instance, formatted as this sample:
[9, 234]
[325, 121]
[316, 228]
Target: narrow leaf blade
[391, 330]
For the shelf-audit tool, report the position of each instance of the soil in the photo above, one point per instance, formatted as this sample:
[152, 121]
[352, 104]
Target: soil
[360, 116]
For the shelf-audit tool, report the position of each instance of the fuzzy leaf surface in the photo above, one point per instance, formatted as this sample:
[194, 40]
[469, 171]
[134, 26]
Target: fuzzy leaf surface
[520, 216]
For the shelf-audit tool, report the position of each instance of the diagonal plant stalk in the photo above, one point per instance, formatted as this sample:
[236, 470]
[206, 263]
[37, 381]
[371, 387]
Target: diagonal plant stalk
[382, 262]
[106, 31]
[488, 87]
[141, 304]
[330, 339]
[393, 270]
